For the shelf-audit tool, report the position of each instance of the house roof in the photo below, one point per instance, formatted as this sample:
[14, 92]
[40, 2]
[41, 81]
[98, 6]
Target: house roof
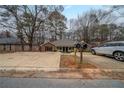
[65, 42]
[10, 40]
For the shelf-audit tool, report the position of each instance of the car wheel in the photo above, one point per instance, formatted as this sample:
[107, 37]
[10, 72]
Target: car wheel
[93, 52]
[119, 56]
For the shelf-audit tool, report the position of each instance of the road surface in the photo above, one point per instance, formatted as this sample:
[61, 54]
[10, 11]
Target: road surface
[57, 83]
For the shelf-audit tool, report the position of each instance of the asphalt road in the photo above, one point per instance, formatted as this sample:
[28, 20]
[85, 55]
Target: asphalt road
[57, 83]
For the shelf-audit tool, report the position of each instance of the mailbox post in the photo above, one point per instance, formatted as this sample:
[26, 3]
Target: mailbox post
[81, 56]
[81, 46]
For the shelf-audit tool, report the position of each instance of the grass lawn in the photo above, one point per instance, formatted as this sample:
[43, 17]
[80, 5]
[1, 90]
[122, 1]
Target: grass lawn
[70, 61]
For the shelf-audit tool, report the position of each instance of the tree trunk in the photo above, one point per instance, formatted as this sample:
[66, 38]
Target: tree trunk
[60, 35]
[30, 47]
[86, 37]
[22, 44]
[39, 48]
[30, 43]
[22, 47]
[81, 56]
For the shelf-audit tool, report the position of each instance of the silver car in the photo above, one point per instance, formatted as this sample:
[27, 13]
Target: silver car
[115, 49]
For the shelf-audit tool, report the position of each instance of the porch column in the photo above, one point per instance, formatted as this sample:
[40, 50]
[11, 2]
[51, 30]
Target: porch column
[67, 49]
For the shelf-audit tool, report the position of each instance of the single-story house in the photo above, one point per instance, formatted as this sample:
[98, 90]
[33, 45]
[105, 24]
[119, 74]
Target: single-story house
[65, 45]
[12, 44]
[6, 43]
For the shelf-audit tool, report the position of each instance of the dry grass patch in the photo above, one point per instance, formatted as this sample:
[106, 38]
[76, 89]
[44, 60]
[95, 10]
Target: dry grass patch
[14, 73]
[114, 74]
[70, 61]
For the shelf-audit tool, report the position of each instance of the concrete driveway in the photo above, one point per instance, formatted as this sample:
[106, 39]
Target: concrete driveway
[30, 59]
[103, 62]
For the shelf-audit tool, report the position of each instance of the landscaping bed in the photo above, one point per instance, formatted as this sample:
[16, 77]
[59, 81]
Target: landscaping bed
[70, 61]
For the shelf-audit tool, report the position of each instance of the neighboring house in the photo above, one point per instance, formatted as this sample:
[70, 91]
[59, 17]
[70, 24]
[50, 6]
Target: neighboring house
[12, 44]
[65, 45]
[8, 44]
[8, 40]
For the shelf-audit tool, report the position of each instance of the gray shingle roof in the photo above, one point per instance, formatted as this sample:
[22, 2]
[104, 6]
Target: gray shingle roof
[66, 42]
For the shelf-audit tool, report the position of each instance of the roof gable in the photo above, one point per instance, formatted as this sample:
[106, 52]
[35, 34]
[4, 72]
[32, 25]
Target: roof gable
[47, 43]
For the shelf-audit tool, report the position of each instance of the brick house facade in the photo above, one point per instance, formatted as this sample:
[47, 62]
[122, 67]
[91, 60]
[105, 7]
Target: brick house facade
[59, 45]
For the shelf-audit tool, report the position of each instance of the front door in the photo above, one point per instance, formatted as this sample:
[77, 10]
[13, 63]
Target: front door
[66, 49]
[48, 48]
[63, 49]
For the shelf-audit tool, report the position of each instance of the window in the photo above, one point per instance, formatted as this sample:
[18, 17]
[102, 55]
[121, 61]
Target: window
[109, 45]
[112, 44]
[103, 45]
[121, 44]
[117, 44]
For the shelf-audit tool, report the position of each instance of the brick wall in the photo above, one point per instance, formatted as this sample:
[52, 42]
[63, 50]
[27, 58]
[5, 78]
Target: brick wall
[16, 48]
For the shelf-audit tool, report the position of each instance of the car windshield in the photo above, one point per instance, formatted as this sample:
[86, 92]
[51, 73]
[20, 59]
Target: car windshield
[102, 45]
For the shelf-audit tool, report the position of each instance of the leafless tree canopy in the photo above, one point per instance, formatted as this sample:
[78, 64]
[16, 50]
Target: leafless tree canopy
[98, 26]
[39, 23]
[32, 22]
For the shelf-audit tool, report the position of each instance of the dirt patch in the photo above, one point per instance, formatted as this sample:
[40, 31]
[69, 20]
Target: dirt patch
[30, 59]
[70, 61]
[14, 73]
[114, 74]
[66, 73]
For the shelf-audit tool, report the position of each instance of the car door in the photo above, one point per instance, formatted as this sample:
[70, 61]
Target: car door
[108, 48]
[100, 49]
[105, 49]
[121, 47]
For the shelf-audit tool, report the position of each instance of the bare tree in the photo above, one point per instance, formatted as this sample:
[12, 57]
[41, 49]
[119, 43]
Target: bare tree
[90, 26]
[57, 22]
[27, 19]
[11, 18]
